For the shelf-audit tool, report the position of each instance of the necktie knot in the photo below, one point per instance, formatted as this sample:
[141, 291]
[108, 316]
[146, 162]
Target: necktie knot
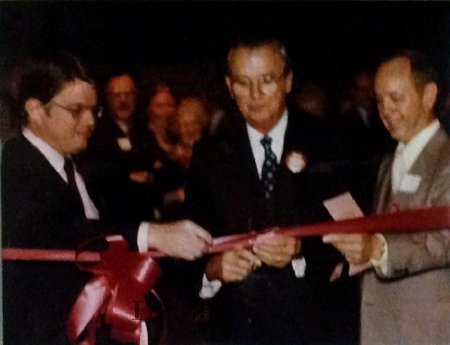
[69, 168]
[266, 142]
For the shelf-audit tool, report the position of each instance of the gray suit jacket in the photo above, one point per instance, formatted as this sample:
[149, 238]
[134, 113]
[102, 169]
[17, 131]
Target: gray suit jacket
[411, 304]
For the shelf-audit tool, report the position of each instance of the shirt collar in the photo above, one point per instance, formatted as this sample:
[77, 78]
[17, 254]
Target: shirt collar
[55, 159]
[415, 146]
[276, 133]
[124, 126]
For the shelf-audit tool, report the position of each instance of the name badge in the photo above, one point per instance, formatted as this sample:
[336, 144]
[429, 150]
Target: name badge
[410, 183]
[124, 143]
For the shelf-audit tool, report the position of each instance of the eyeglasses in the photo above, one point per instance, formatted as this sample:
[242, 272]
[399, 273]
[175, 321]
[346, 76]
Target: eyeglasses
[266, 84]
[77, 111]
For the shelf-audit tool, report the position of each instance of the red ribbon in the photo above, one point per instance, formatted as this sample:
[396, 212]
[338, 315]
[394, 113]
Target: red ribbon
[121, 277]
[426, 219]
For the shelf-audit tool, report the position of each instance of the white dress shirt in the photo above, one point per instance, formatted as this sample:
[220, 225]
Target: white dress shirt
[406, 154]
[276, 134]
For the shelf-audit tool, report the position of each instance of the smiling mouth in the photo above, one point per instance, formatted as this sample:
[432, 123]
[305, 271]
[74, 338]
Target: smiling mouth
[85, 135]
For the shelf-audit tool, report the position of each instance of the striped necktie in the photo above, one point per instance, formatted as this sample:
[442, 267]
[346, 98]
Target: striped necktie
[269, 167]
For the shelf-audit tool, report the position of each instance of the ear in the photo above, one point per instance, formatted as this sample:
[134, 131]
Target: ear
[228, 83]
[288, 84]
[429, 96]
[34, 109]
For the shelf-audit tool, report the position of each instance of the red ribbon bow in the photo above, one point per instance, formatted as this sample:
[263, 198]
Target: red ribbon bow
[121, 279]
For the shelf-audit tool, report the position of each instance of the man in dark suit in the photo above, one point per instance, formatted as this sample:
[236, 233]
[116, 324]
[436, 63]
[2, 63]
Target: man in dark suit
[253, 175]
[47, 204]
[114, 155]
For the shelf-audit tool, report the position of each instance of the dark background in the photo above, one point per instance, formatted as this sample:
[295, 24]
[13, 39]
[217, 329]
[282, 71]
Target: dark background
[328, 41]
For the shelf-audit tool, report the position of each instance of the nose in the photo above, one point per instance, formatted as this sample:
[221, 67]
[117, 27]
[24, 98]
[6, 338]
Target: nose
[255, 91]
[89, 118]
[385, 107]
[122, 96]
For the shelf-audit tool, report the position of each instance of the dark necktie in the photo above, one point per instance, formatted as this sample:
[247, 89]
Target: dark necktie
[69, 168]
[269, 168]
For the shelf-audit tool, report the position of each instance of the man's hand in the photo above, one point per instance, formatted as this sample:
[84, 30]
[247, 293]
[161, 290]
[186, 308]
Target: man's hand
[357, 248]
[232, 265]
[182, 239]
[276, 250]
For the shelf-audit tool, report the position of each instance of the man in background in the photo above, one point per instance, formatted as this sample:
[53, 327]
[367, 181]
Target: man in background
[114, 157]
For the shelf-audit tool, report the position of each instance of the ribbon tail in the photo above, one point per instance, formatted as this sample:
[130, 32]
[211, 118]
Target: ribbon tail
[84, 316]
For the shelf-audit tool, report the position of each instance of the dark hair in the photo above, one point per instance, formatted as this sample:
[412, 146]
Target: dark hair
[422, 70]
[44, 77]
[253, 42]
[120, 72]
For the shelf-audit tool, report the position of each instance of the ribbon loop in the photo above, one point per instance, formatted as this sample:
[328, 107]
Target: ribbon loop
[122, 278]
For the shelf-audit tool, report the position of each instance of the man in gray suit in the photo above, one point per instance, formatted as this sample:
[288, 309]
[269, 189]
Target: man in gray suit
[406, 294]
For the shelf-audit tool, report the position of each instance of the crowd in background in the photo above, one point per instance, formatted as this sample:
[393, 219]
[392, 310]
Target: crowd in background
[147, 126]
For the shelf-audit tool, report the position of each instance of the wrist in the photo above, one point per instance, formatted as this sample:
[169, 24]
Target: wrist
[211, 271]
[378, 247]
[153, 235]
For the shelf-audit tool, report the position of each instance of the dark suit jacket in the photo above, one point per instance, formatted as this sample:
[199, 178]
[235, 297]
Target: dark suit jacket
[224, 195]
[37, 212]
[105, 163]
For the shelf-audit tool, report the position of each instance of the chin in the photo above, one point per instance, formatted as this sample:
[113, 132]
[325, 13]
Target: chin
[80, 147]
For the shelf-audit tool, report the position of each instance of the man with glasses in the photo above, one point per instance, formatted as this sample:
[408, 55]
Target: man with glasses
[253, 175]
[47, 204]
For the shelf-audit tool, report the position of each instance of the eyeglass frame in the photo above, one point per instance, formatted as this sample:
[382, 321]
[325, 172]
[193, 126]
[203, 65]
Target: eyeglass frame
[248, 87]
[127, 94]
[76, 113]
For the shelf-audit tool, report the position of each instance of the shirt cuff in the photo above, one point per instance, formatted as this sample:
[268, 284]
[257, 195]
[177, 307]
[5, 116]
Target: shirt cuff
[381, 265]
[299, 266]
[209, 288]
[142, 237]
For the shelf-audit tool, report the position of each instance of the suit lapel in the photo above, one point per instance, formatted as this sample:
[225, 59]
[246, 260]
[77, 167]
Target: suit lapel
[40, 167]
[422, 168]
[285, 183]
[383, 194]
[240, 176]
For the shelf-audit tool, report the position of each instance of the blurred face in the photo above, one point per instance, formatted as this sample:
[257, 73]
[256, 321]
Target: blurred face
[363, 90]
[161, 106]
[162, 103]
[191, 115]
[259, 85]
[67, 121]
[404, 109]
[121, 97]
